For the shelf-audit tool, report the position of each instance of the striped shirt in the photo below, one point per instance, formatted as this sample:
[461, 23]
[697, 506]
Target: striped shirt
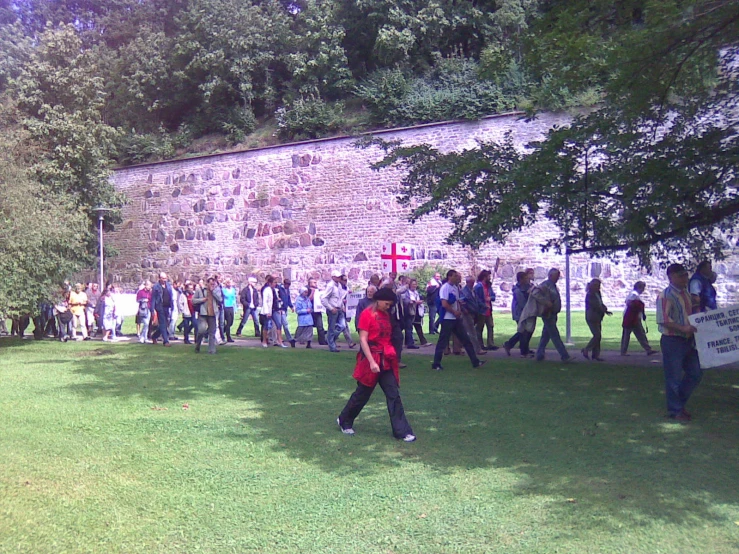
[673, 306]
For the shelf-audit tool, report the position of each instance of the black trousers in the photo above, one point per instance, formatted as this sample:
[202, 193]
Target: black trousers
[228, 315]
[524, 338]
[396, 339]
[449, 327]
[318, 324]
[361, 396]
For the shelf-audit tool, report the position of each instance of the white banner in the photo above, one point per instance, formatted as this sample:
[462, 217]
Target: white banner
[317, 304]
[717, 339]
[352, 299]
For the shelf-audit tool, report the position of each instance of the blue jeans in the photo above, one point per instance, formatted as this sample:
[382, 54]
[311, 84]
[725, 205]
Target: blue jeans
[682, 371]
[281, 322]
[550, 332]
[249, 312]
[163, 329]
[336, 324]
[190, 324]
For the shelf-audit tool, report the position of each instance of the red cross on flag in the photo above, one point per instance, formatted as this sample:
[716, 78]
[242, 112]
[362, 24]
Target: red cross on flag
[396, 256]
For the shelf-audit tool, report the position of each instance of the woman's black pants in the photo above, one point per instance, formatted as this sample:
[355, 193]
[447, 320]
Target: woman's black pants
[361, 396]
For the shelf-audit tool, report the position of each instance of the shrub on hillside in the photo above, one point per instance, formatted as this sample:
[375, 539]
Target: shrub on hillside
[452, 89]
[307, 118]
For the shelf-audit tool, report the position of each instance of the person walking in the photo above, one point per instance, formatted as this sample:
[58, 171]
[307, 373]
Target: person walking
[143, 299]
[472, 308]
[545, 302]
[333, 302]
[364, 303]
[78, 306]
[520, 298]
[680, 360]
[286, 303]
[484, 291]
[93, 295]
[414, 311]
[701, 287]
[432, 294]
[595, 311]
[162, 299]
[304, 309]
[344, 282]
[266, 311]
[207, 300]
[190, 322]
[634, 314]
[318, 309]
[451, 322]
[228, 292]
[250, 301]
[376, 363]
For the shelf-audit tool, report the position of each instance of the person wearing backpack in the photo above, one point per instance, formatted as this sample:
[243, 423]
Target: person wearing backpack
[450, 315]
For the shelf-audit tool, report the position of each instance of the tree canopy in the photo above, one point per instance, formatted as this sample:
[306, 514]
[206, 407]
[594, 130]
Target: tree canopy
[651, 171]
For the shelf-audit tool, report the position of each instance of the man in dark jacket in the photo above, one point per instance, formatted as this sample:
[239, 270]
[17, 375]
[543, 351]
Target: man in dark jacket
[162, 299]
[250, 302]
[520, 297]
[701, 287]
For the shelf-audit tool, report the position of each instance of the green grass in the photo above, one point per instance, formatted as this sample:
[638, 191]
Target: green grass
[98, 455]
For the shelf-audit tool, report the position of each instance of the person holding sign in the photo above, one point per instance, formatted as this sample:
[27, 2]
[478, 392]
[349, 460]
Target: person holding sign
[679, 356]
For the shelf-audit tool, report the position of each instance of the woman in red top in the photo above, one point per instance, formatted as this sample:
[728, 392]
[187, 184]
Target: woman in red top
[377, 362]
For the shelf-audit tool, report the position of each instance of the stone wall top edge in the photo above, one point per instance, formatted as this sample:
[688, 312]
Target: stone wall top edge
[320, 140]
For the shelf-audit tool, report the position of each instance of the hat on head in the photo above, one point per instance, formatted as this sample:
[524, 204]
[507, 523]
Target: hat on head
[385, 294]
[252, 280]
[336, 273]
[303, 289]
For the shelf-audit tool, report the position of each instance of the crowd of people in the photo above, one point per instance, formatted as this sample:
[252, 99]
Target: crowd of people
[392, 311]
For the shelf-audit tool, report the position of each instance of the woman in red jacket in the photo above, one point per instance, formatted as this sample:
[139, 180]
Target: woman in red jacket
[377, 362]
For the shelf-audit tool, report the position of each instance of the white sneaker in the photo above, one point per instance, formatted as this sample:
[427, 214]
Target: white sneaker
[264, 345]
[284, 346]
[409, 438]
[349, 431]
[142, 340]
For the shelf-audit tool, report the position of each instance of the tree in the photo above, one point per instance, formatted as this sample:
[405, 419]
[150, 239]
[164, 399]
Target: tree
[43, 234]
[650, 172]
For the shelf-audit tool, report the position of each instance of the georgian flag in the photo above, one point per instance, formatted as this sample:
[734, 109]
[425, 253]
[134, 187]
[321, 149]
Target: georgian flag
[396, 256]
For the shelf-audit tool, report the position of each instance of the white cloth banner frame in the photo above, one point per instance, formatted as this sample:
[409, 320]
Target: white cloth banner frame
[352, 299]
[717, 339]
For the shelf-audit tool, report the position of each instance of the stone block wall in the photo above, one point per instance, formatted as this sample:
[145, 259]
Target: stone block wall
[303, 209]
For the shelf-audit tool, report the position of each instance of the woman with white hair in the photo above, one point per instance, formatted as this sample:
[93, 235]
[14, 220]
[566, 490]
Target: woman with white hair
[304, 309]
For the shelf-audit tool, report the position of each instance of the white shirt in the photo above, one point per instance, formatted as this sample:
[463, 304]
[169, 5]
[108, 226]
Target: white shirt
[416, 297]
[268, 297]
[333, 296]
[447, 289]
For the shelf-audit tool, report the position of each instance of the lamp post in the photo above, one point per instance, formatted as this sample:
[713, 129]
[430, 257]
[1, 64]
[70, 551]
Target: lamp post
[568, 332]
[101, 211]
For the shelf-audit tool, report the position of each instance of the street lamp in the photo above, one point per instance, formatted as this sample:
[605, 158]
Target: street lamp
[101, 216]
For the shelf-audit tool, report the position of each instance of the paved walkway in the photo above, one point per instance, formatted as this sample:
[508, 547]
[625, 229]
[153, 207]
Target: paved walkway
[612, 357]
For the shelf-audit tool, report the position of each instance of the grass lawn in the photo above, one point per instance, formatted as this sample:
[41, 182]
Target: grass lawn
[134, 448]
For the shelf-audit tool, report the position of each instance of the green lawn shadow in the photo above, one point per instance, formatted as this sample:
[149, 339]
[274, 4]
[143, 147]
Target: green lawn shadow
[593, 434]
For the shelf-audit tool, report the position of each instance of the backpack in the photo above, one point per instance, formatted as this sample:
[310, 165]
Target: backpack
[440, 309]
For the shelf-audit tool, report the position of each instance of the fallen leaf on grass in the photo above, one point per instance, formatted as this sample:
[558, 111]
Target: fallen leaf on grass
[159, 409]
[186, 406]
[422, 516]
[571, 500]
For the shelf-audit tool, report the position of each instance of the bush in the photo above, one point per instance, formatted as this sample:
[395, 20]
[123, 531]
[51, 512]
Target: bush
[453, 89]
[307, 118]
[135, 148]
[382, 93]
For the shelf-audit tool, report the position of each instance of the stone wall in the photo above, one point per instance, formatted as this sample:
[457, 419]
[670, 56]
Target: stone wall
[304, 209]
